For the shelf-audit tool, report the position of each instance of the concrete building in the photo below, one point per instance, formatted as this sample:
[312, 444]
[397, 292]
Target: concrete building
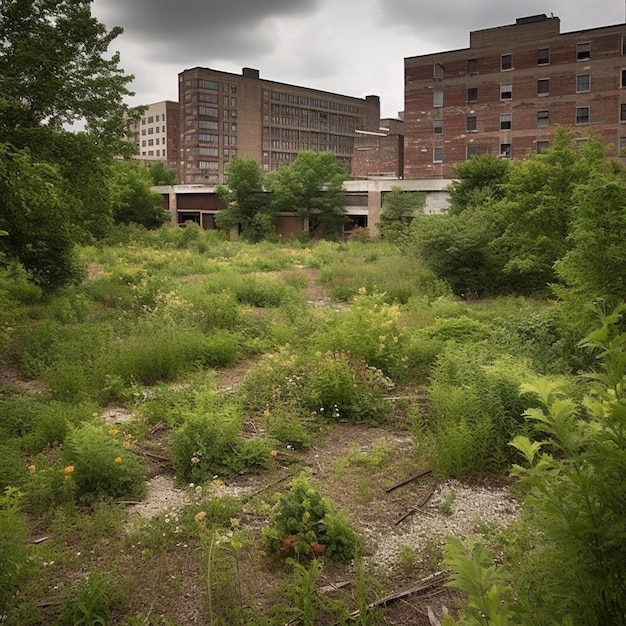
[379, 154]
[158, 133]
[506, 93]
[225, 115]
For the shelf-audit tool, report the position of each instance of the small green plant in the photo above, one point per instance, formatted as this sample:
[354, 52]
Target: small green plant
[446, 506]
[305, 525]
[14, 561]
[95, 601]
[99, 462]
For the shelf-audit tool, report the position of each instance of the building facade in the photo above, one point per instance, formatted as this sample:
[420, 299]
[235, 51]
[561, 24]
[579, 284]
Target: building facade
[225, 115]
[158, 133]
[381, 154]
[507, 92]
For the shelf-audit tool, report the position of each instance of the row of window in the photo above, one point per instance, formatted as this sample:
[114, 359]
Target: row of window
[212, 85]
[152, 153]
[151, 142]
[211, 125]
[280, 96]
[472, 150]
[583, 85]
[210, 138]
[152, 130]
[583, 53]
[152, 118]
[582, 116]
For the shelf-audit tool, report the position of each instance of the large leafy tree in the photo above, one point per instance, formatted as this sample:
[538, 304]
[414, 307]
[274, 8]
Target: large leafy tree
[248, 207]
[312, 187]
[399, 209]
[54, 72]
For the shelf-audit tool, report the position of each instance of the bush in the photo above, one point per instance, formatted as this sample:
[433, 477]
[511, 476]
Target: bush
[305, 525]
[210, 444]
[99, 463]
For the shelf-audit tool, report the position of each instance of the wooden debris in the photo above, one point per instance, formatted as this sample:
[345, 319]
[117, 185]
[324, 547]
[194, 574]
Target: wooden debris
[332, 587]
[423, 500]
[422, 585]
[408, 480]
[40, 540]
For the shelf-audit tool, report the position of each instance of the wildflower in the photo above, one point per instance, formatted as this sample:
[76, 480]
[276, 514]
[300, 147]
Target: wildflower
[32, 469]
[362, 291]
[274, 452]
[68, 471]
[95, 414]
[113, 431]
[199, 490]
[126, 444]
[195, 460]
[200, 516]
[118, 459]
[234, 522]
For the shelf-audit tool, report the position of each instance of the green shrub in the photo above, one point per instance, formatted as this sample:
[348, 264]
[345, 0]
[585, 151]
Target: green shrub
[475, 409]
[102, 463]
[289, 426]
[305, 525]
[210, 444]
[14, 554]
[263, 291]
[13, 472]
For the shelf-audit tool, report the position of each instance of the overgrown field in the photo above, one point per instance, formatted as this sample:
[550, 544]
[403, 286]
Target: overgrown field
[213, 432]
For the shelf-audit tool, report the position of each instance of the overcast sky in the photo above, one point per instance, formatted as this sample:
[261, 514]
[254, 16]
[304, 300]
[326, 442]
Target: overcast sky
[351, 47]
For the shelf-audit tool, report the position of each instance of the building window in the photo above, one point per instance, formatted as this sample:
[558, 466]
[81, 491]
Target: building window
[623, 45]
[506, 61]
[470, 151]
[583, 51]
[151, 130]
[157, 119]
[143, 143]
[506, 92]
[542, 145]
[623, 79]
[437, 155]
[622, 112]
[158, 153]
[471, 124]
[437, 98]
[622, 146]
[150, 120]
[543, 56]
[505, 121]
[472, 66]
[437, 127]
[208, 111]
[543, 119]
[207, 84]
[143, 131]
[150, 142]
[438, 71]
[543, 86]
[582, 115]
[583, 83]
[505, 150]
[472, 94]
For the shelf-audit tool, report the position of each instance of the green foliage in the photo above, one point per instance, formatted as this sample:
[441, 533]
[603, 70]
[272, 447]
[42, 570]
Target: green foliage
[161, 175]
[35, 216]
[305, 525]
[210, 444]
[480, 181]
[103, 463]
[131, 197]
[14, 553]
[298, 188]
[248, 206]
[475, 409]
[96, 600]
[399, 210]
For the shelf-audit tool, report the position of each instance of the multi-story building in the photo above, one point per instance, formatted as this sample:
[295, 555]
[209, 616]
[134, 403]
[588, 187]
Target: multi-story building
[158, 133]
[225, 115]
[506, 93]
[381, 154]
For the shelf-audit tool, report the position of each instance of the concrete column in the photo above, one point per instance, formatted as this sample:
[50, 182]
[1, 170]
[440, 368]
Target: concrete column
[374, 209]
[173, 204]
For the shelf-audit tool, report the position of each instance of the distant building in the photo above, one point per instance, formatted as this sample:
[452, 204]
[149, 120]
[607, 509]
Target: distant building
[506, 93]
[158, 134]
[224, 115]
[379, 154]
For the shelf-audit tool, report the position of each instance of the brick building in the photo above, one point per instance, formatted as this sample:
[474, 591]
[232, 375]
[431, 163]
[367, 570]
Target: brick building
[158, 132]
[506, 93]
[225, 115]
[379, 154]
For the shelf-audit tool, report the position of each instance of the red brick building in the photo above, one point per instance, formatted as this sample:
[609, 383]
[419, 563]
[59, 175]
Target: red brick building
[506, 93]
[380, 154]
[225, 115]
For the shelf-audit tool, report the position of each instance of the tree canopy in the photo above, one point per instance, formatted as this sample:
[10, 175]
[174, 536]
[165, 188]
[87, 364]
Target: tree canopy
[55, 72]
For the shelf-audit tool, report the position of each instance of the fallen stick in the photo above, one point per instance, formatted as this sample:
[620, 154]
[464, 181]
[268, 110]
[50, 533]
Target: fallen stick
[408, 480]
[423, 500]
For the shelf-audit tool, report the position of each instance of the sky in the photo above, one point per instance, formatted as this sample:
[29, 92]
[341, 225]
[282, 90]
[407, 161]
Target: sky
[352, 47]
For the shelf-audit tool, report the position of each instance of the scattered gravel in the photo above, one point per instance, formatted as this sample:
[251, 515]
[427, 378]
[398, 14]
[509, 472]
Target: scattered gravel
[454, 509]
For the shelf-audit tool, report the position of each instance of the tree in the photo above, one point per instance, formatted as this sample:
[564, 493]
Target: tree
[161, 175]
[131, 197]
[35, 216]
[248, 204]
[312, 187]
[54, 72]
[480, 179]
[399, 210]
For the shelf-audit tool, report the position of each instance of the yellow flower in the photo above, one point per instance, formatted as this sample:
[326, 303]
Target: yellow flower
[274, 452]
[32, 469]
[200, 516]
[69, 469]
[118, 459]
[114, 431]
[95, 414]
